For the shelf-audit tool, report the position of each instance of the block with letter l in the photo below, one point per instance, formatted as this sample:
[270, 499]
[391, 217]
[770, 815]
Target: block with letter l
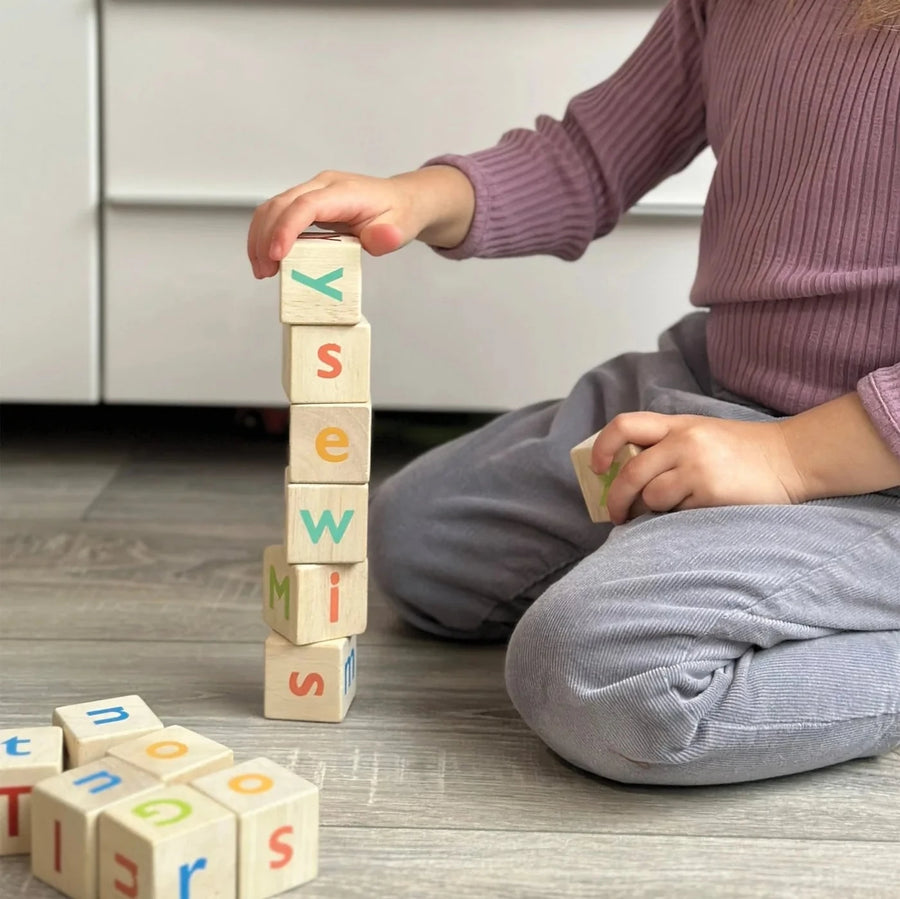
[309, 683]
[313, 603]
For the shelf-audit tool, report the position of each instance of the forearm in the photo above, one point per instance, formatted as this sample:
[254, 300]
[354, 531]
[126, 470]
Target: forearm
[838, 451]
[445, 199]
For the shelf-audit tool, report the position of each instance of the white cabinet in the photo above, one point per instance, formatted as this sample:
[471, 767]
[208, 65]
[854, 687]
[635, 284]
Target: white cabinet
[49, 327]
[212, 106]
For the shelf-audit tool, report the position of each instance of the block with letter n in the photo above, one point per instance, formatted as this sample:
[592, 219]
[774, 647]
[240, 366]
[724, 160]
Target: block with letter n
[326, 523]
[28, 755]
[313, 603]
[309, 683]
[321, 280]
[278, 825]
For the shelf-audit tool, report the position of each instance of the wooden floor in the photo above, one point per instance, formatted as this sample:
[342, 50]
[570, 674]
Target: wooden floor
[130, 563]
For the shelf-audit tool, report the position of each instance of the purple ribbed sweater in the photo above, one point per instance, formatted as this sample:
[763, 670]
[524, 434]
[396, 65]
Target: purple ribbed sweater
[800, 243]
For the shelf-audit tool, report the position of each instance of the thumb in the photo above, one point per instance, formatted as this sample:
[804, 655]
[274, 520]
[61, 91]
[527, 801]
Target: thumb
[382, 236]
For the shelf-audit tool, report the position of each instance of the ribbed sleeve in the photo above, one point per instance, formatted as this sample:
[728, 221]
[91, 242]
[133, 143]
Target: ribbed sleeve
[880, 395]
[555, 189]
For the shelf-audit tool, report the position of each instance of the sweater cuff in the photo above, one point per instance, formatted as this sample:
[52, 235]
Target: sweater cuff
[880, 395]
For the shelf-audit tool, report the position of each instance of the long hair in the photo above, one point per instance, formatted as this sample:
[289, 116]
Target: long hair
[880, 12]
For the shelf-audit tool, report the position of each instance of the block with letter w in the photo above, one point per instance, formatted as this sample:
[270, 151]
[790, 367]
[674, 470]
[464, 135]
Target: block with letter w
[326, 523]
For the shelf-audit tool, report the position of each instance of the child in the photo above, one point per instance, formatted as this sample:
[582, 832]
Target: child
[754, 630]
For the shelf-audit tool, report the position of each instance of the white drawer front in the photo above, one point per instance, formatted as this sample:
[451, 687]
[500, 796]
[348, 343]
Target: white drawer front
[186, 322]
[246, 99]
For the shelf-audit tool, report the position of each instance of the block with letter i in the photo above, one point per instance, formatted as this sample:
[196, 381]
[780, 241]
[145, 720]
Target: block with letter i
[278, 825]
[64, 814]
[309, 683]
[28, 756]
[312, 603]
[171, 842]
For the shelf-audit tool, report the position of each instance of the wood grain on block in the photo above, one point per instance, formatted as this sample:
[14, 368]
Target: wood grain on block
[595, 487]
[321, 280]
[91, 728]
[330, 444]
[326, 523]
[64, 814]
[171, 842]
[28, 755]
[327, 364]
[309, 683]
[175, 754]
[278, 825]
[313, 603]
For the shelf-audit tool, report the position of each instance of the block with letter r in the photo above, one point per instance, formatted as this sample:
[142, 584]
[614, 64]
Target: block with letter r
[313, 603]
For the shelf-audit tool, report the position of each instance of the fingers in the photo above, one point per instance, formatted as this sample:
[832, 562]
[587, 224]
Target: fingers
[641, 428]
[634, 478]
[666, 492]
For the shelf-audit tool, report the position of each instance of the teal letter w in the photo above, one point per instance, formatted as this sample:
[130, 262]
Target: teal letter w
[321, 284]
[326, 521]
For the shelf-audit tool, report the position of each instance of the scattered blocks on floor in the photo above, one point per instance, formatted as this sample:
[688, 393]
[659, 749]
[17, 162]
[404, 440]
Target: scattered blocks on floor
[172, 841]
[174, 754]
[321, 280]
[166, 814]
[309, 683]
[595, 487]
[330, 444]
[326, 363]
[64, 814]
[278, 825]
[326, 523]
[313, 603]
[91, 728]
[28, 755]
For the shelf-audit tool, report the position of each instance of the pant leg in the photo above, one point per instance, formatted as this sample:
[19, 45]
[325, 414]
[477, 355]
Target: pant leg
[464, 538]
[721, 645]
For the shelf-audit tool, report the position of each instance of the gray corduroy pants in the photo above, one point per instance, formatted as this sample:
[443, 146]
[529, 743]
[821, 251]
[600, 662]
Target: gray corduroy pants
[698, 647]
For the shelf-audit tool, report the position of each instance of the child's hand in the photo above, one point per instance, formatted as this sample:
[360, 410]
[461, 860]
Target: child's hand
[692, 462]
[436, 203]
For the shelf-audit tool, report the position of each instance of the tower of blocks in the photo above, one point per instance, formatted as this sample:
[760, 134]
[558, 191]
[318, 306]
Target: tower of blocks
[111, 803]
[315, 585]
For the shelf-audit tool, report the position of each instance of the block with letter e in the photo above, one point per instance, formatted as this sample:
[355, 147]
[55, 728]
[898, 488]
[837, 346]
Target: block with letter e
[28, 755]
[309, 683]
[90, 728]
[330, 443]
[321, 280]
[171, 842]
[278, 825]
[313, 603]
[64, 814]
[326, 523]
[326, 363]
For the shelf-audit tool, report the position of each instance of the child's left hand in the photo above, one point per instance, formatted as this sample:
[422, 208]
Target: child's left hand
[691, 462]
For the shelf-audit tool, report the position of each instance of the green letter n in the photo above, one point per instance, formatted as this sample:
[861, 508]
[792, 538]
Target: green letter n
[281, 589]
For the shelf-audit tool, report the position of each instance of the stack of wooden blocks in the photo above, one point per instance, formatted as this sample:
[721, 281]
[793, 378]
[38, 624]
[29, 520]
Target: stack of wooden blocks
[147, 811]
[315, 585]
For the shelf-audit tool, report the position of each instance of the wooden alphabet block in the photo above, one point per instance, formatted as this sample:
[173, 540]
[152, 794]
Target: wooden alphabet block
[326, 523]
[309, 683]
[64, 813]
[28, 755]
[278, 825]
[313, 603]
[171, 842]
[327, 364]
[174, 754]
[595, 487]
[91, 728]
[330, 444]
[321, 280]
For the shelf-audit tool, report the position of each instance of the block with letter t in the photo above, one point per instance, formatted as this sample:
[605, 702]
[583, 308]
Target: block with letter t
[64, 814]
[321, 280]
[278, 825]
[91, 728]
[309, 683]
[313, 603]
[171, 842]
[28, 755]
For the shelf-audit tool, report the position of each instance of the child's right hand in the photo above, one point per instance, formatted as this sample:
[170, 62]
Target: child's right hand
[435, 203]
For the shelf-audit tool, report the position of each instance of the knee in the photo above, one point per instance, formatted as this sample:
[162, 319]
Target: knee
[593, 689]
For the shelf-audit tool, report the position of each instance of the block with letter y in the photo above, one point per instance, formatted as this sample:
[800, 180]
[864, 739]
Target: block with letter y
[321, 280]
[326, 523]
[312, 603]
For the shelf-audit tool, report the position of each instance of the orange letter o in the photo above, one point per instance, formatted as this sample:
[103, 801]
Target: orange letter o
[265, 783]
[169, 749]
